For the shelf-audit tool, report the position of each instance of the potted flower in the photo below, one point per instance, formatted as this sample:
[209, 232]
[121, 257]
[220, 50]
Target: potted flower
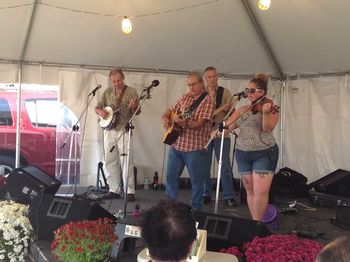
[15, 230]
[84, 241]
[277, 248]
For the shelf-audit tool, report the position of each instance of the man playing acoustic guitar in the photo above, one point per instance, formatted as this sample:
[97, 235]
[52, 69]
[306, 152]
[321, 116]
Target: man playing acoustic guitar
[221, 98]
[188, 149]
[123, 100]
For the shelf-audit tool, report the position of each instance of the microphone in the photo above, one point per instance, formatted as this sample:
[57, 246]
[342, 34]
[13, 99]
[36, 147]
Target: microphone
[154, 84]
[94, 91]
[241, 94]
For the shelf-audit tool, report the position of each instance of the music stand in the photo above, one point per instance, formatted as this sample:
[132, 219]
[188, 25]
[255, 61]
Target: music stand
[74, 134]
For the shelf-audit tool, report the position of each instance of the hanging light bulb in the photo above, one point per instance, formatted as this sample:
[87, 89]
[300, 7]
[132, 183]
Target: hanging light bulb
[126, 25]
[264, 4]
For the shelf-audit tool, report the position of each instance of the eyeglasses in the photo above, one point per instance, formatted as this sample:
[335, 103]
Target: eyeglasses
[192, 84]
[252, 90]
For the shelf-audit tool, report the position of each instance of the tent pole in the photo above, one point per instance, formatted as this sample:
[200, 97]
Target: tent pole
[19, 91]
[283, 113]
[263, 39]
[18, 120]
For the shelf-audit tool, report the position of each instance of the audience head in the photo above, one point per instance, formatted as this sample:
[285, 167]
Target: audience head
[335, 251]
[169, 230]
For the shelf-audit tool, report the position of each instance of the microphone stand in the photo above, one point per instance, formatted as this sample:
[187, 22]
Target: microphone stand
[222, 127]
[74, 134]
[129, 126]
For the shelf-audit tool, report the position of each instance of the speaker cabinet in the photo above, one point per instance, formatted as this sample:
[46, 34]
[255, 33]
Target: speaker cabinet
[342, 216]
[47, 213]
[225, 231]
[336, 183]
[25, 183]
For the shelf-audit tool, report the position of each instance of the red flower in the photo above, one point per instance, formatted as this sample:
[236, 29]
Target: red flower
[79, 249]
[84, 240]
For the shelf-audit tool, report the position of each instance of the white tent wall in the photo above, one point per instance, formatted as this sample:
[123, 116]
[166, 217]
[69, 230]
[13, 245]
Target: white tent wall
[150, 154]
[317, 126]
[316, 119]
[8, 73]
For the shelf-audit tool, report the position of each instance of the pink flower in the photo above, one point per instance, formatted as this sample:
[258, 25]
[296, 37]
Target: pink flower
[278, 248]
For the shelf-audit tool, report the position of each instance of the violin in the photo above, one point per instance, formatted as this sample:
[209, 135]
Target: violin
[257, 105]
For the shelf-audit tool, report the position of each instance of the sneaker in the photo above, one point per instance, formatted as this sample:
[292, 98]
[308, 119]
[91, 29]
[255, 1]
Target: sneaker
[111, 195]
[206, 200]
[131, 197]
[231, 202]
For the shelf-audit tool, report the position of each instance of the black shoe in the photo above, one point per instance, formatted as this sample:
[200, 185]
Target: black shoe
[206, 200]
[231, 202]
[111, 195]
[131, 197]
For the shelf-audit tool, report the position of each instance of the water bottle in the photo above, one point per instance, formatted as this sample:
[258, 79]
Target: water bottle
[137, 211]
[146, 183]
[155, 180]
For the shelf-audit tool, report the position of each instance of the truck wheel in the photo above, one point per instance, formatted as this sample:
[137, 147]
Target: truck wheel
[7, 163]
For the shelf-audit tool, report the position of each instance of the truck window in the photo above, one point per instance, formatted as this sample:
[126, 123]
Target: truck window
[42, 112]
[5, 113]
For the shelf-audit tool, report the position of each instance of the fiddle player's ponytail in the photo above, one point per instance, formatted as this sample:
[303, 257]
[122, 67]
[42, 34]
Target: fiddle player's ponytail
[260, 80]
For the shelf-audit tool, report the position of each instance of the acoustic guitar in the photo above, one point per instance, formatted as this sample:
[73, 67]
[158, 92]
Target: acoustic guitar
[174, 130]
[112, 119]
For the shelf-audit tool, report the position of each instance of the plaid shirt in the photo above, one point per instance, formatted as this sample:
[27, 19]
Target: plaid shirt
[194, 139]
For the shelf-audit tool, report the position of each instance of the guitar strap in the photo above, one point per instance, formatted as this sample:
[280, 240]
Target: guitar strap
[219, 94]
[196, 103]
[119, 100]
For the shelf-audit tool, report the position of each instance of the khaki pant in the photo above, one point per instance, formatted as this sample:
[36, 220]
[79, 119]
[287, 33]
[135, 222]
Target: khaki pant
[116, 161]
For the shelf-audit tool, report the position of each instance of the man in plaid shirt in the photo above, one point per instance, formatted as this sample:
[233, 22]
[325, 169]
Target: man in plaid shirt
[188, 150]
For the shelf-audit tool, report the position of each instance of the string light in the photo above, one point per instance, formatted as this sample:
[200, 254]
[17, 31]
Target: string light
[264, 4]
[126, 25]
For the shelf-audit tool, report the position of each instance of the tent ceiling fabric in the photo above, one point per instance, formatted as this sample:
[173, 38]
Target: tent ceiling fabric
[307, 36]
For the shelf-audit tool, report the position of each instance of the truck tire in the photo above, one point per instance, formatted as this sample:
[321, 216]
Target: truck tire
[7, 163]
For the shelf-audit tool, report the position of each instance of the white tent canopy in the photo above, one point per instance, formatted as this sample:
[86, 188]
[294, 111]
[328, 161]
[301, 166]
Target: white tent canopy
[74, 43]
[305, 36]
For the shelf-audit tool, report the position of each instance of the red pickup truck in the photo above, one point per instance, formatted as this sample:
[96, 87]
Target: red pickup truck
[39, 117]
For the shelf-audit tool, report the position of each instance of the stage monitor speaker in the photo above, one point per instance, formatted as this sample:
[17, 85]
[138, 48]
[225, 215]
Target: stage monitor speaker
[224, 231]
[25, 183]
[48, 212]
[336, 183]
[342, 216]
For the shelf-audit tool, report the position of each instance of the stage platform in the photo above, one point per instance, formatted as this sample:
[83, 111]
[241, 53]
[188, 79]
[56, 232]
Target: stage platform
[307, 217]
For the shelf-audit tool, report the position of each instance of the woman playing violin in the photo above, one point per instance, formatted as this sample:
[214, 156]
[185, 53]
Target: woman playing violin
[257, 151]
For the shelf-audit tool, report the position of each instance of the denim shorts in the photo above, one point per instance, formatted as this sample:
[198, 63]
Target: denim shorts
[260, 161]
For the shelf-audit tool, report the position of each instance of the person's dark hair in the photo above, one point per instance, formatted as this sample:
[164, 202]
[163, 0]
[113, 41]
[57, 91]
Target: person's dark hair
[116, 71]
[168, 230]
[335, 251]
[260, 80]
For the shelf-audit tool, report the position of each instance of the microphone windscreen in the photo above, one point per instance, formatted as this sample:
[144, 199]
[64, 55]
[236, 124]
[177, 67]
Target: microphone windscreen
[155, 83]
